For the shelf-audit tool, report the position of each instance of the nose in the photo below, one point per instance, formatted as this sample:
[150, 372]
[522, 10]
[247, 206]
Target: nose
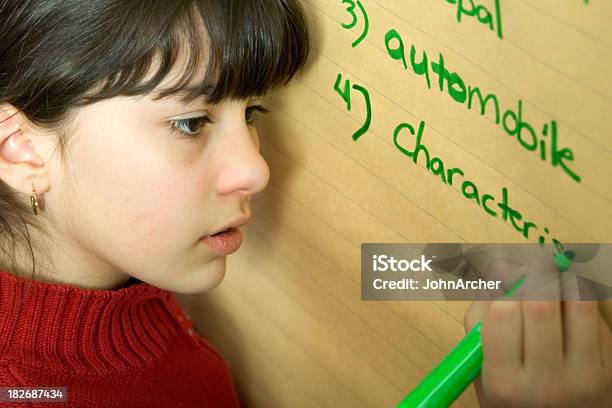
[243, 169]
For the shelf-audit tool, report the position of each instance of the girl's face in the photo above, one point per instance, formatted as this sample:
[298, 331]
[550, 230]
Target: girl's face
[138, 191]
[141, 181]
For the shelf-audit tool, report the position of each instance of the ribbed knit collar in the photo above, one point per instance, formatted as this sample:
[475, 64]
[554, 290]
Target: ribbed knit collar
[45, 324]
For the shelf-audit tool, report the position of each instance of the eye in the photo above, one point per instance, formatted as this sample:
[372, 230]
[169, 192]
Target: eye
[189, 128]
[254, 114]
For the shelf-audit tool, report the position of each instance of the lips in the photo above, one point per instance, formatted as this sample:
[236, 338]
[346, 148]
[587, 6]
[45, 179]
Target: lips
[226, 242]
[236, 223]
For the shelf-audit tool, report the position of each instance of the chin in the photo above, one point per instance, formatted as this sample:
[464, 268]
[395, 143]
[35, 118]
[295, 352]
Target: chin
[205, 279]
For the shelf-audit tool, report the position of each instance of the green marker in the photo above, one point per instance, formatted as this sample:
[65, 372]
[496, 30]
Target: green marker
[447, 381]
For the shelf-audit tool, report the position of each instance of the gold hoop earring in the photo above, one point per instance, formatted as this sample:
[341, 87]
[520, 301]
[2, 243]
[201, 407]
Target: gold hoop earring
[34, 200]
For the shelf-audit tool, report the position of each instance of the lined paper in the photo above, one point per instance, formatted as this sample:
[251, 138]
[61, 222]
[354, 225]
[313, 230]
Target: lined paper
[288, 317]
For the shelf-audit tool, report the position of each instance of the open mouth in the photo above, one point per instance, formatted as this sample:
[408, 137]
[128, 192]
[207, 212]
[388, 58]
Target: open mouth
[221, 232]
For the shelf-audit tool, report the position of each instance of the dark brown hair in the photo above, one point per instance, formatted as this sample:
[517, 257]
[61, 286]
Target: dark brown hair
[59, 55]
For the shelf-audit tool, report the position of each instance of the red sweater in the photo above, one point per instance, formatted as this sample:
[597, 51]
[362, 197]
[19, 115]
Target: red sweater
[129, 347]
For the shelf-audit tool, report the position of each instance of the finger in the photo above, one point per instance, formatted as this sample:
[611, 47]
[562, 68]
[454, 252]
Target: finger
[542, 336]
[502, 338]
[581, 332]
[570, 288]
[543, 280]
[475, 313]
[605, 342]
[605, 308]
[480, 391]
[504, 270]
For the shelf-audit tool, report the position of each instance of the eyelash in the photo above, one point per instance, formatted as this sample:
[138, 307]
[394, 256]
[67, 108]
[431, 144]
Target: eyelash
[253, 114]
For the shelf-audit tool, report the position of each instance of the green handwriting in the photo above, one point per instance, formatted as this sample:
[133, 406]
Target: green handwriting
[417, 150]
[456, 176]
[544, 143]
[350, 8]
[346, 96]
[482, 14]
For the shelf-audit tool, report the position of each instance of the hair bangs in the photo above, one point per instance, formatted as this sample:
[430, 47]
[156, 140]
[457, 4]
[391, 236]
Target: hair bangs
[253, 47]
[231, 49]
[150, 50]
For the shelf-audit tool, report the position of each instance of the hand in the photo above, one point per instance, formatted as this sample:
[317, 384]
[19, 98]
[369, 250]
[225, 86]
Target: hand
[543, 353]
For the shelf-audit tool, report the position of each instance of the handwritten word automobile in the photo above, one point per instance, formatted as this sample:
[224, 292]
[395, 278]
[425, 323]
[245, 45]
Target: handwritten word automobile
[415, 148]
[481, 13]
[512, 121]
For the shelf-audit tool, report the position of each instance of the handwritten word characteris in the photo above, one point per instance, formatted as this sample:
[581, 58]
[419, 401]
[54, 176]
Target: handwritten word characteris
[470, 190]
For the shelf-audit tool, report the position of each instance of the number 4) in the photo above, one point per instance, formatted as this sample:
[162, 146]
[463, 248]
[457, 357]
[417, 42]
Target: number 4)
[346, 96]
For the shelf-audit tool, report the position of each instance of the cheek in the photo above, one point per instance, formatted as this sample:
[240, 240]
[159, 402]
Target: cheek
[156, 215]
[139, 203]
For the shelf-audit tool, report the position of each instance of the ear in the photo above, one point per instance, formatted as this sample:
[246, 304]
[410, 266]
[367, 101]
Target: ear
[20, 166]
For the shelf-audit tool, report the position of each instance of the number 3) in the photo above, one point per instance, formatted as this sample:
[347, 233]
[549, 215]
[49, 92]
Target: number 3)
[351, 9]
